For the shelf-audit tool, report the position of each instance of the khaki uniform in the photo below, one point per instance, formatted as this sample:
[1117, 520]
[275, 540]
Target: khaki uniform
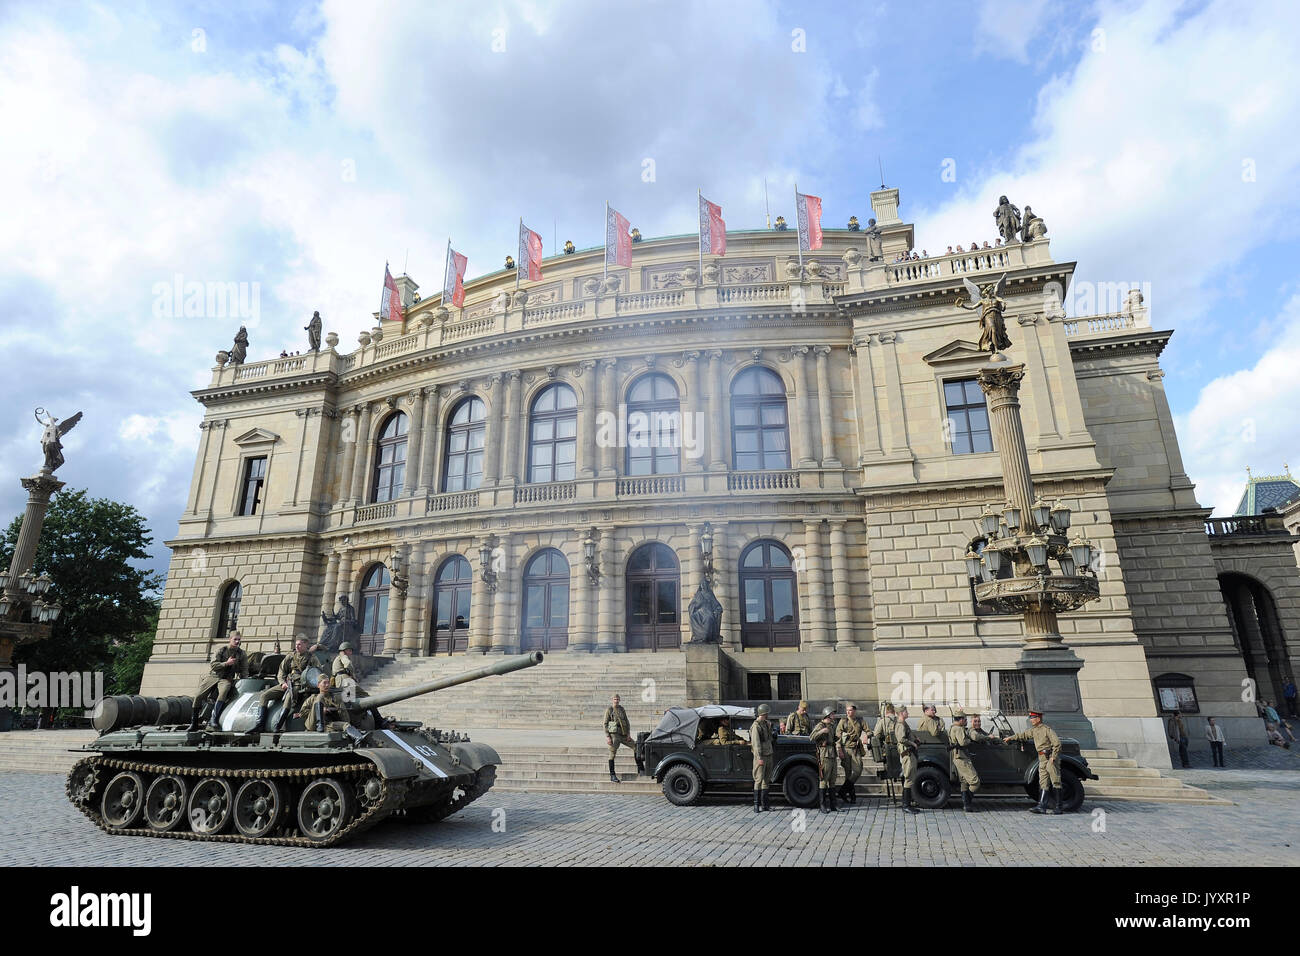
[979, 736]
[1048, 746]
[724, 735]
[884, 732]
[960, 740]
[932, 725]
[620, 734]
[222, 674]
[760, 745]
[823, 738]
[345, 673]
[798, 723]
[906, 743]
[291, 671]
[849, 734]
[329, 711]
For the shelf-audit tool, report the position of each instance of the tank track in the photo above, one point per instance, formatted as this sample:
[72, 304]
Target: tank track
[88, 800]
[432, 813]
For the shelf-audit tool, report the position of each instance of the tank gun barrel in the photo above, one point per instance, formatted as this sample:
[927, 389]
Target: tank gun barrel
[506, 666]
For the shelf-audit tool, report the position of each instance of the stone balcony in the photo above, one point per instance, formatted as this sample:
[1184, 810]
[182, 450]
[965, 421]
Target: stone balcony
[1243, 526]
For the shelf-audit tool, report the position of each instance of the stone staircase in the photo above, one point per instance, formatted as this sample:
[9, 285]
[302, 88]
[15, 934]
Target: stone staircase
[1122, 779]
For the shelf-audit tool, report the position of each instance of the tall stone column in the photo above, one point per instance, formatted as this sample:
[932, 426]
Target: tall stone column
[608, 640]
[869, 444]
[360, 456]
[717, 413]
[692, 426]
[344, 583]
[502, 640]
[200, 464]
[803, 408]
[724, 584]
[414, 440]
[329, 596]
[1002, 386]
[347, 446]
[480, 601]
[815, 571]
[825, 407]
[495, 438]
[895, 410]
[417, 597]
[840, 587]
[608, 403]
[585, 636]
[1047, 429]
[39, 488]
[396, 606]
[587, 465]
[429, 445]
[510, 467]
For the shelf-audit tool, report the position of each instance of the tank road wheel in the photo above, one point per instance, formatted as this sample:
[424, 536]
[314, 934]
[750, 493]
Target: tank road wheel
[82, 781]
[324, 809]
[800, 786]
[370, 790]
[164, 803]
[931, 789]
[123, 800]
[682, 785]
[259, 805]
[210, 803]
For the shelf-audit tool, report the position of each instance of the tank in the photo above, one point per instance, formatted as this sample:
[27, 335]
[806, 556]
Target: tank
[149, 774]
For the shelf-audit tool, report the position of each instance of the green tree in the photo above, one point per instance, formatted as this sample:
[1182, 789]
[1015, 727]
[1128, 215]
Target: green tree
[87, 545]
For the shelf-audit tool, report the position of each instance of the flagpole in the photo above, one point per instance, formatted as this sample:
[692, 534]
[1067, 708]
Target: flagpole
[766, 205]
[798, 238]
[606, 238]
[518, 251]
[699, 202]
[444, 273]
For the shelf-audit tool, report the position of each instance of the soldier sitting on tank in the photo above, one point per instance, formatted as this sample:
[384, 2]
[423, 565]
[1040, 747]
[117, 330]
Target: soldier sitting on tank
[228, 666]
[290, 676]
[322, 708]
[345, 673]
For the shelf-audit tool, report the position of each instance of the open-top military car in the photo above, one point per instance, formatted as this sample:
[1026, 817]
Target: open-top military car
[1001, 767]
[686, 756]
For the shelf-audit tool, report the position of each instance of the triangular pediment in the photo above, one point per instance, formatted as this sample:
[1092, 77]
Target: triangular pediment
[958, 350]
[257, 436]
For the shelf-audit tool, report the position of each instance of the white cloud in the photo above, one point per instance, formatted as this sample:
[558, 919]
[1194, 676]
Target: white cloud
[866, 111]
[1005, 28]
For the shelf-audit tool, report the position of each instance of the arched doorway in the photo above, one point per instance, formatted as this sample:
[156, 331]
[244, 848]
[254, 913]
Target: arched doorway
[653, 599]
[451, 596]
[546, 602]
[769, 596]
[374, 609]
[1255, 625]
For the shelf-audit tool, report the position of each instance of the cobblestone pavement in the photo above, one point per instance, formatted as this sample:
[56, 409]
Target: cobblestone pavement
[40, 827]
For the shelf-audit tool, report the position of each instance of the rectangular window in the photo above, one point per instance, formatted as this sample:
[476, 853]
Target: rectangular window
[1009, 692]
[789, 686]
[758, 686]
[967, 423]
[254, 481]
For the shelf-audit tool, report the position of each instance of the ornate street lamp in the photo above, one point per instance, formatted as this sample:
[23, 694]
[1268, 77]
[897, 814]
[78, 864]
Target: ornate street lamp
[1011, 515]
[485, 555]
[1060, 517]
[706, 551]
[989, 523]
[589, 555]
[1041, 512]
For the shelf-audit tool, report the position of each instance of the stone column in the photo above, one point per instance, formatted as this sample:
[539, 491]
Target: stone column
[587, 597]
[717, 413]
[840, 587]
[200, 464]
[480, 599]
[724, 583]
[329, 598]
[502, 641]
[219, 425]
[360, 456]
[510, 467]
[825, 407]
[414, 438]
[608, 403]
[692, 415]
[895, 410]
[803, 408]
[1047, 429]
[348, 418]
[495, 438]
[344, 583]
[39, 489]
[429, 445]
[396, 605]
[417, 597]
[1002, 386]
[590, 406]
[608, 639]
[869, 444]
[815, 571]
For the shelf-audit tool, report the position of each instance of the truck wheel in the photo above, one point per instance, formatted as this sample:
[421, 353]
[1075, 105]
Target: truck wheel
[683, 786]
[800, 786]
[1071, 792]
[930, 789]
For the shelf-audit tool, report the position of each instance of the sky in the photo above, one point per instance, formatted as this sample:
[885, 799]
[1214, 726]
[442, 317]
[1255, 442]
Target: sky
[294, 149]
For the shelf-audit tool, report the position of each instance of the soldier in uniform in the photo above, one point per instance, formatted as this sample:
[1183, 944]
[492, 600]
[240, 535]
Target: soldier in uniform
[884, 732]
[1048, 746]
[905, 741]
[760, 745]
[228, 666]
[960, 740]
[345, 671]
[977, 733]
[322, 708]
[617, 732]
[823, 738]
[290, 676]
[852, 733]
[799, 722]
[930, 723]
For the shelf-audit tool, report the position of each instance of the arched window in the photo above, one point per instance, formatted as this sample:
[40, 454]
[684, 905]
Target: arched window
[451, 595]
[374, 609]
[390, 459]
[466, 434]
[653, 606]
[760, 434]
[229, 618]
[546, 602]
[654, 422]
[553, 435]
[770, 597]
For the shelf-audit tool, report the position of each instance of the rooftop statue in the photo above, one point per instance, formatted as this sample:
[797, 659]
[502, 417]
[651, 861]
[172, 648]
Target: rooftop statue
[312, 329]
[1034, 227]
[50, 438]
[875, 248]
[239, 351]
[1007, 217]
[987, 298]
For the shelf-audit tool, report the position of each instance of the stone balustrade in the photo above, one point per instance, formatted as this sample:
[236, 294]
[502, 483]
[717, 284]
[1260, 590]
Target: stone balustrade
[1269, 524]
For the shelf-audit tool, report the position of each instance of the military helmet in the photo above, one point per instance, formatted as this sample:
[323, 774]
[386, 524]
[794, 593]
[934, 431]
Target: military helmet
[345, 646]
[828, 712]
[763, 709]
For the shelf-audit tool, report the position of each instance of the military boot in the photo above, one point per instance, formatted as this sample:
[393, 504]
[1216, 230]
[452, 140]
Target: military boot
[766, 805]
[907, 801]
[613, 777]
[758, 801]
[823, 802]
[217, 708]
[1055, 810]
[968, 801]
[830, 799]
[1041, 805]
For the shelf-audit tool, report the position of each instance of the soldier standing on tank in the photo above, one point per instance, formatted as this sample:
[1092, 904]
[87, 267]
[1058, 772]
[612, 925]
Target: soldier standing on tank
[906, 743]
[960, 741]
[322, 708]
[823, 739]
[1048, 746]
[851, 732]
[290, 675]
[345, 672]
[228, 666]
[760, 745]
[617, 732]
[799, 722]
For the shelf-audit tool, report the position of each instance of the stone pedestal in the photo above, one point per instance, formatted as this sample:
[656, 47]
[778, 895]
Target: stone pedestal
[1052, 685]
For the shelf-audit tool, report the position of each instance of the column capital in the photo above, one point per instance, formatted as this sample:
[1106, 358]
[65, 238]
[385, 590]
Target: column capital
[886, 338]
[821, 351]
[1028, 319]
[714, 355]
[1002, 380]
[515, 375]
[586, 365]
[691, 356]
[608, 364]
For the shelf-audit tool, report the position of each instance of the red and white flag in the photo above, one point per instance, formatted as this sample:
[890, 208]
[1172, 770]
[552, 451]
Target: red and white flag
[713, 231]
[618, 238]
[390, 306]
[809, 210]
[529, 264]
[453, 283]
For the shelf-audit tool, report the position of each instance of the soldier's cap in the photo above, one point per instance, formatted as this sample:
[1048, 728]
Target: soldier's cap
[345, 646]
[763, 709]
[925, 707]
[958, 714]
[889, 708]
[803, 704]
[1035, 713]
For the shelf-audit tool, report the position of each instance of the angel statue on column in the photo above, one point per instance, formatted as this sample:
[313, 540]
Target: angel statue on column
[51, 442]
[993, 330]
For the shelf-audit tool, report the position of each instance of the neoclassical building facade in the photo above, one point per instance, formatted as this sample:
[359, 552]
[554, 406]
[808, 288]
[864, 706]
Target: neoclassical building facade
[547, 467]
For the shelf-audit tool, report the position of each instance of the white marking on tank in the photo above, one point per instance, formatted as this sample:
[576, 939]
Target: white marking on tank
[421, 754]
